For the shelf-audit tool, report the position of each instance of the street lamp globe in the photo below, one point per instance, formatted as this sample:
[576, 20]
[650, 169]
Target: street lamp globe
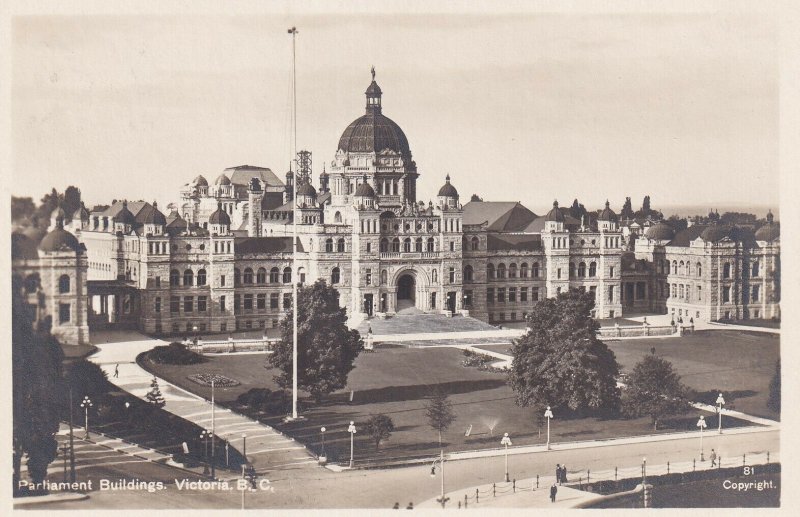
[720, 399]
[506, 440]
[322, 429]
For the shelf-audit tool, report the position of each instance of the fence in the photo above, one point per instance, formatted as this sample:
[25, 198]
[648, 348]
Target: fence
[234, 345]
[587, 479]
[644, 330]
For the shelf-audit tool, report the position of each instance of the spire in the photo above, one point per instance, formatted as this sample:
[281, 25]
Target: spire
[155, 205]
[59, 221]
[555, 203]
[608, 205]
[770, 217]
[373, 96]
[447, 178]
[373, 72]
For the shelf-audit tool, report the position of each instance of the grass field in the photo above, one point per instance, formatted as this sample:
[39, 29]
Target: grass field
[396, 382]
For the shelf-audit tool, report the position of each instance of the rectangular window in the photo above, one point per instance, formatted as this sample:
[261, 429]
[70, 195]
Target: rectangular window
[188, 304]
[262, 324]
[513, 316]
[611, 293]
[490, 295]
[535, 294]
[63, 313]
[202, 303]
[158, 304]
[273, 300]
[512, 294]
[222, 280]
[248, 302]
[223, 327]
[261, 302]
[452, 246]
[237, 303]
[755, 293]
[523, 294]
[452, 275]
[369, 277]
[468, 298]
[699, 293]
[726, 294]
[501, 295]
[175, 304]
[433, 300]
[502, 316]
[287, 300]
[248, 324]
[158, 281]
[558, 273]
[222, 304]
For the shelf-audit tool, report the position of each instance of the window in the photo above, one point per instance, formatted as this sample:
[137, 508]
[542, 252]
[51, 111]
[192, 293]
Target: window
[558, 274]
[158, 304]
[490, 295]
[512, 271]
[335, 275]
[384, 245]
[202, 304]
[523, 294]
[582, 270]
[222, 280]
[452, 245]
[248, 302]
[368, 275]
[407, 245]
[611, 293]
[431, 245]
[261, 301]
[535, 294]
[754, 273]
[274, 275]
[674, 267]
[452, 275]
[369, 247]
[490, 271]
[188, 303]
[418, 245]
[174, 304]
[396, 245]
[535, 270]
[174, 278]
[501, 295]
[383, 277]
[468, 298]
[433, 300]
[726, 294]
[287, 300]
[63, 313]
[237, 303]
[512, 294]
[337, 217]
[611, 272]
[222, 304]
[754, 297]
[475, 244]
[287, 275]
[201, 277]
[674, 291]
[340, 245]
[329, 245]
[237, 277]
[261, 276]
[699, 269]
[513, 316]
[274, 300]
[63, 284]
[468, 274]
[501, 271]
[726, 270]
[158, 281]
[593, 270]
[175, 328]
[248, 275]
[188, 277]
[699, 293]
[435, 275]
[523, 271]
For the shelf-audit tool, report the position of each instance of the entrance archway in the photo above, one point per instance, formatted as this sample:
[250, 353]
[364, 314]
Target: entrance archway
[406, 292]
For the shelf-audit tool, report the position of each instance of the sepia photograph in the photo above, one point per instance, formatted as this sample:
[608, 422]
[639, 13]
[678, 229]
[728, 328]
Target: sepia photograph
[435, 257]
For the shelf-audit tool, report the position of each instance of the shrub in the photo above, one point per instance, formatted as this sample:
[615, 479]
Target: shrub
[86, 379]
[174, 353]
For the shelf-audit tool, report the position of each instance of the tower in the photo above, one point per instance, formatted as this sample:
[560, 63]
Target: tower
[255, 194]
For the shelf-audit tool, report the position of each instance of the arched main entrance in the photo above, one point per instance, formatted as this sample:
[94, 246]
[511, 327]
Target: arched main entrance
[406, 292]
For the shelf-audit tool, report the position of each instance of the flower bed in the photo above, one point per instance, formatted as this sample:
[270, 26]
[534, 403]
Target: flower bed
[219, 380]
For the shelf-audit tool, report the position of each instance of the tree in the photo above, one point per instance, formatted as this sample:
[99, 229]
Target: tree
[72, 199]
[577, 210]
[154, 396]
[646, 205]
[49, 203]
[654, 390]
[560, 361]
[21, 208]
[476, 197]
[379, 427]
[86, 379]
[36, 372]
[678, 223]
[774, 400]
[439, 412]
[627, 209]
[327, 349]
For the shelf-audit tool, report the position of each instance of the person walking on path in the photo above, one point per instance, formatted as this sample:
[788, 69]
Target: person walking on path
[713, 458]
[116, 370]
[563, 474]
[553, 491]
[558, 472]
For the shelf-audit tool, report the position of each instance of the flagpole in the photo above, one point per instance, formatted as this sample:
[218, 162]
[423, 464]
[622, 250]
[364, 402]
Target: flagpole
[293, 31]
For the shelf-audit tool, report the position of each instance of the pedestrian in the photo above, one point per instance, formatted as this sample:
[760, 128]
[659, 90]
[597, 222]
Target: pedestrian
[691, 321]
[410, 506]
[553, 491]
[563, 473]
[713, 458]
[558, 472]
[116, 370]
[396, 506]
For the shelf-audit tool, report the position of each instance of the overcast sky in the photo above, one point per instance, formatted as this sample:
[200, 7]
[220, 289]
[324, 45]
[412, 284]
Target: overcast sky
[515, 108]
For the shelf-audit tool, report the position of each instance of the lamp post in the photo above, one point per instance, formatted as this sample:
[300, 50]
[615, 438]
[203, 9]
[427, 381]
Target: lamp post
[213, 430]
[352, 430]
[645, 495]
[293, 31]
[702, 425]
[86, 404]
[204, 436]
[506, 441]
[244, 446]
[548, 415]
[440, 459]
[322, 432]
[720, 403]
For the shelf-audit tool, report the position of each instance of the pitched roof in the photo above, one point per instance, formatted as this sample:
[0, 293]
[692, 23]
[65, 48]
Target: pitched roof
[242, 174]
[500, 216]
[684, 237]
[514, 242]
[265, 245]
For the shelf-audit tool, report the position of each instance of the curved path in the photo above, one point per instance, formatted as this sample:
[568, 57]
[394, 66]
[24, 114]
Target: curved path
[267, 449]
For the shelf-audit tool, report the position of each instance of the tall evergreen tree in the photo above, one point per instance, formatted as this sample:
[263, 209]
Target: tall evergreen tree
[327, 349]
[72, 199]
[627, 209]
[560, 362]
[154, 396]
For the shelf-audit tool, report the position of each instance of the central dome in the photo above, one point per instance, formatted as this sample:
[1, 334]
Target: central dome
[373, 132]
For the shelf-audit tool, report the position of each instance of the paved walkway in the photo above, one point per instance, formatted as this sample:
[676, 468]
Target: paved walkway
[267, 448]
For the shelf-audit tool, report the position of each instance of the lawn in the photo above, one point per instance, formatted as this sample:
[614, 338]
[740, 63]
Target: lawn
[396, 382]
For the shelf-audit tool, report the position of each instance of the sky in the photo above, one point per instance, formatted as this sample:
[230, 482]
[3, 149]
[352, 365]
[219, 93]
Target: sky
[530, 108]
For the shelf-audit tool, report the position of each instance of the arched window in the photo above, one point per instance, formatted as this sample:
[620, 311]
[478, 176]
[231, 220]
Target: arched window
[237, 277]
[674, 267]
[396, 245]
[490, 271]
[572, 270]
[287, 275]
[329, 246]
[512, 271]
[201, 277]
[535, 270]
[593, 269]
[174, 278]
[468, 274]
[431, 246]
[407, 244]
[418, 245]
[274, 275]
[582, 269]
[248, 275]
[523, 270]
[335, 275]
[383, 277]
[726, 270]
[699, 269]
[261, 276]
[501, 271]
[63, 284]
[337, 217]
[475, 243]
[340, 245]
[188, 277]
[681, 269]
[384, 245]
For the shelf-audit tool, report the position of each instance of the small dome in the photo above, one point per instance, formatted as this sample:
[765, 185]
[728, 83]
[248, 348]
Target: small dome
[222, 179]
[307, 189]
[200, 181]
[23, 248]
[607, 214]
[219, 216]
[770, 231]
[124, 215]
[448, 189]
[151, 215]
[715, 233]
[59, 239]
[555, 214]
[365, 189]
[660, 231]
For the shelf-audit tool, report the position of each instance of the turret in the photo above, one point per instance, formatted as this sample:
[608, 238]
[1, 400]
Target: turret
[255, 194]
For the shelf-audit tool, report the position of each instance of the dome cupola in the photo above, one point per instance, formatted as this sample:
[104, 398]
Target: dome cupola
[365, 194]
[770, 231]
[59, 239]
[607, 221]
[660, 231]
[448, 195]
[554, 220]
[219, 221]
